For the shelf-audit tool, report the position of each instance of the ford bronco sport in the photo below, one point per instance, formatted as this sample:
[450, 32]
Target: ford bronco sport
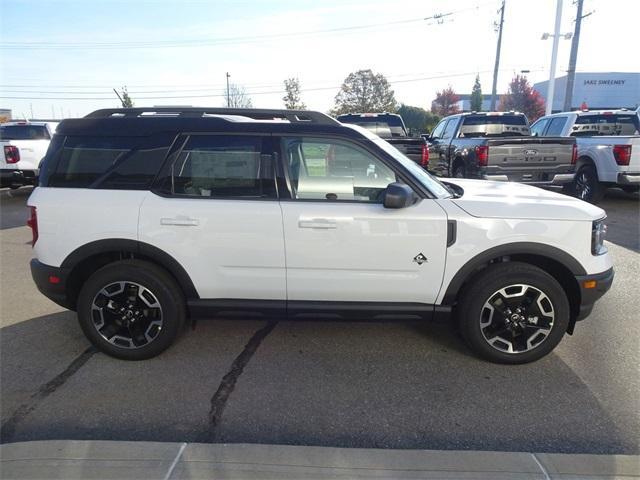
[146, 217]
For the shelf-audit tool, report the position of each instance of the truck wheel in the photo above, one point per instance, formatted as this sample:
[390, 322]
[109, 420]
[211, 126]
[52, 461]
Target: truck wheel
[459, 172]
[131, 309]
[513, 313]
[586, 185]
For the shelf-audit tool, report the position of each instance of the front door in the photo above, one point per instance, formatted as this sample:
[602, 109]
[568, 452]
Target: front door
[341, 243]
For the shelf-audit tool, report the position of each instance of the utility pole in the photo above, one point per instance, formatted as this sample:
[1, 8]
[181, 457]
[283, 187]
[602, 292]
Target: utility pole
[573, 57]
[554, 58]
[228, 97]
[31, 108]
[119, 97]
[497, 65]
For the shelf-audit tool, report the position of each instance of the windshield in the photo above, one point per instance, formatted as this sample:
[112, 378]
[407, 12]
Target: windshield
[429, 181]
[23, 132]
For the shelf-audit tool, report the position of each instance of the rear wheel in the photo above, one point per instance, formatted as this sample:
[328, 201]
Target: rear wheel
[513, 313]
[459, 171]
[586, 185]
[131, 309]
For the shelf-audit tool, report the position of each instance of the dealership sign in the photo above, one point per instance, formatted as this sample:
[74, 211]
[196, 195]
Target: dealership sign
[604, 82]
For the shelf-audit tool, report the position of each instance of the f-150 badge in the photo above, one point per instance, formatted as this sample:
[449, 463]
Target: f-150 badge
[420, 258]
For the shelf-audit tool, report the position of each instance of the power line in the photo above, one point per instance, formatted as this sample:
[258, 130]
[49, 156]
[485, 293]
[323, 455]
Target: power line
[47, 45]
[270, 92]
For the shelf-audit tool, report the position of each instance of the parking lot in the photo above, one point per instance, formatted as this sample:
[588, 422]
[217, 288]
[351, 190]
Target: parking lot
[392, 384]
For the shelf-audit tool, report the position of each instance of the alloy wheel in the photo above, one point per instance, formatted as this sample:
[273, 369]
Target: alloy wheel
[127, 314]
[517, 318]
[583, 186]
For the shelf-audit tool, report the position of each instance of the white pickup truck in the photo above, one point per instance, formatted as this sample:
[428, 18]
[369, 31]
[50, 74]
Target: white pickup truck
[608, 149]
[24, 145]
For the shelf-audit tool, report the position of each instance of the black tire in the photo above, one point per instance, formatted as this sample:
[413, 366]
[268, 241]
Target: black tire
[586, 185]
[459, 171]
[485, 286]
[163, 289]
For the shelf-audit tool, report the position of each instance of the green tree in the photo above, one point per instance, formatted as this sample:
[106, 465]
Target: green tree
[521, 97]
[364, 91]
[125, 98]
[416, 119]
[476, 96]
[292, 97]
[446, 102]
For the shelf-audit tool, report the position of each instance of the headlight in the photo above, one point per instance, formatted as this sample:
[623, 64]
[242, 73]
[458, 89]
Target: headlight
[598, 232]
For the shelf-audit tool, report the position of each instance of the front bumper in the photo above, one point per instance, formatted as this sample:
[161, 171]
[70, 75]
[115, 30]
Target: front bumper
[628, 178]
[52, 282]
[589, 296]
[553, 179]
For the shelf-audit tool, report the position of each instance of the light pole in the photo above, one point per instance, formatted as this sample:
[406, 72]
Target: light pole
[228, 97]
[554, 55]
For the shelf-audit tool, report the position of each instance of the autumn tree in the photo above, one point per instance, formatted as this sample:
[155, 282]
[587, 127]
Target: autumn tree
[416, 119]
[125, 99]
[446, 102]
[237, 97]
[365, 91]
[476, 96]
[292, 97]
[523, 98]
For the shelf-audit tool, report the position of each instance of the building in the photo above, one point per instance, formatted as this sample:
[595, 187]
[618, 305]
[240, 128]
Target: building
[464, 104]
[596, 90]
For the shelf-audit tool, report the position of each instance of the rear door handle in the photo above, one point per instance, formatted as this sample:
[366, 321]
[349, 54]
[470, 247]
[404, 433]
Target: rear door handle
[180, 221]
[320, 223]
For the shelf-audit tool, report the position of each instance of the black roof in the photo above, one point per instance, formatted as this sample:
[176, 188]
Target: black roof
[147, 121]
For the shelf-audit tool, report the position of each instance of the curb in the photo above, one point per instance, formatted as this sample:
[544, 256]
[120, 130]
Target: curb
[59, 459]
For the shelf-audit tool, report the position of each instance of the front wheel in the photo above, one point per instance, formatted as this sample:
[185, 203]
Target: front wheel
[513, 313]
[131, 309]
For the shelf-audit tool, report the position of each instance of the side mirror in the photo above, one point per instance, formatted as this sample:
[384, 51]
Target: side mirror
[399, 195]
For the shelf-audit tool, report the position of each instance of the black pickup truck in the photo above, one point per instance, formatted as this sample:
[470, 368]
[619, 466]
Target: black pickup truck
[390, 126]
[499, 146]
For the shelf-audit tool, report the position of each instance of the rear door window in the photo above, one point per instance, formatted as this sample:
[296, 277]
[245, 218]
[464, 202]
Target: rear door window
[222, 166]
[450, 129]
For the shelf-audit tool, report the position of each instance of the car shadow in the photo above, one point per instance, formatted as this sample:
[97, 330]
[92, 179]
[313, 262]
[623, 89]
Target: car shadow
[623, 218]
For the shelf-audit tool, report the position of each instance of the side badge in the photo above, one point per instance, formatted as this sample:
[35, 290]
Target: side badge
[420, 258]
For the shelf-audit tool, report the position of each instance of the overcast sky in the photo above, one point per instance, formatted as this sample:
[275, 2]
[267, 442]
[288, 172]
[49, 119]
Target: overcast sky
[74, 52]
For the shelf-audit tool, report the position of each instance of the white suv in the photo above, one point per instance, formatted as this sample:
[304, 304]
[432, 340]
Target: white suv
[145, 217]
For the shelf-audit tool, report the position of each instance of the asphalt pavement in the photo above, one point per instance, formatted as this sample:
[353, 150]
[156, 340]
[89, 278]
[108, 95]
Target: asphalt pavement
[392, 384]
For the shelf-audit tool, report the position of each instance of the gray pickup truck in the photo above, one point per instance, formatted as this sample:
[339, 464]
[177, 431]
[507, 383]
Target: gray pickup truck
[390, 127]
[499, 146]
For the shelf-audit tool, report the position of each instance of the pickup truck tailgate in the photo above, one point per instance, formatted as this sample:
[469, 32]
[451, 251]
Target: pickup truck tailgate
[410, 146]
[530, 159]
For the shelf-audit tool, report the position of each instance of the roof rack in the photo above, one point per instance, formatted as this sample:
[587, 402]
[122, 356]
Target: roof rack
[293, 116]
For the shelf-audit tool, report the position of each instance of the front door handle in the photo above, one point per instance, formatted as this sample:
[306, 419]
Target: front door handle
[320, 223]
[180, 221]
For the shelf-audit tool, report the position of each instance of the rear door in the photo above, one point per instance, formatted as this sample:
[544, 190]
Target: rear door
[214, 209]
[342, 245]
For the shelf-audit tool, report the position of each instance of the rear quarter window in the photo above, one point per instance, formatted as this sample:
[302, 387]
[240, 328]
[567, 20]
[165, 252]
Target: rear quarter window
[119, 163]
